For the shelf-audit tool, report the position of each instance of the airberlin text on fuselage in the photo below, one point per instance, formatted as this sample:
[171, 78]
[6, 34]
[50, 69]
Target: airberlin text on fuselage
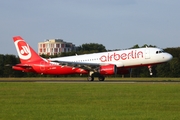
[121, 56]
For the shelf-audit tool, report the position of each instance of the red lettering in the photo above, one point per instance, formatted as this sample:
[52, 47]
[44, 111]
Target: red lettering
[123, 56]
[116, 56]
[111, 57]
[129, 54]
[103, 58]
[140, 53]
[108, 57]
[132, 54]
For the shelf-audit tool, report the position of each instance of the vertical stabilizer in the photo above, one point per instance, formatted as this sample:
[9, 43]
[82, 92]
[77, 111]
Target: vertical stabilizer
[25, 52]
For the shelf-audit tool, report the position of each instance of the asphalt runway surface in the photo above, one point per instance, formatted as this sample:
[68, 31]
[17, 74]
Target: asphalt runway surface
[95, 81]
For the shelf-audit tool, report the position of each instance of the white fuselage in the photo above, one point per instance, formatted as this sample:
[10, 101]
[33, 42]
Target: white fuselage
[122, 58]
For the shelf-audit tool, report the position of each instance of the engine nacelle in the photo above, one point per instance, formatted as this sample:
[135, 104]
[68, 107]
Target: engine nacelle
[108, 69]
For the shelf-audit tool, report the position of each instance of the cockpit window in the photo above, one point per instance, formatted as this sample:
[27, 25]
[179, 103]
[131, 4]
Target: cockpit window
[157, 52]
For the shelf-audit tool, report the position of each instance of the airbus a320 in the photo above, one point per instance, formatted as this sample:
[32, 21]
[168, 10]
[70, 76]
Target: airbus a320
[96, 64]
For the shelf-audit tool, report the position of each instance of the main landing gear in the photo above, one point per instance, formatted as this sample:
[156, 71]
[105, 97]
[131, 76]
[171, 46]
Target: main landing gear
[93, 74]
[91, 78]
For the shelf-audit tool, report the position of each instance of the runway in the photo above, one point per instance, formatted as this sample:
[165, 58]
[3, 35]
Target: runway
[85, 81]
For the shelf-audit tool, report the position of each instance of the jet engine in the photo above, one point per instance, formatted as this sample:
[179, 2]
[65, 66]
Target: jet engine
[108, 69]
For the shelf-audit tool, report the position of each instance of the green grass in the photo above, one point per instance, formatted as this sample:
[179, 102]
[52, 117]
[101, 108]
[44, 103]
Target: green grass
[89, 101]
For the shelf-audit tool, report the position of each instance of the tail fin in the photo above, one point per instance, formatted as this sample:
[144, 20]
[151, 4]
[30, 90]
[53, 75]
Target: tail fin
[25, 52]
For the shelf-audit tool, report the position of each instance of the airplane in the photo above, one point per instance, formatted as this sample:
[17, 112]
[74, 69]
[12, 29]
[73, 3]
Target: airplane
[96, 64]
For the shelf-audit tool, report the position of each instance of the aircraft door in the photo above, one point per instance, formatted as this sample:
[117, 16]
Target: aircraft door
[147, 54]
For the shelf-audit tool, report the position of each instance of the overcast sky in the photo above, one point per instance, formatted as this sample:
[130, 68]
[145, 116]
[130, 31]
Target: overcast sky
[117, 24]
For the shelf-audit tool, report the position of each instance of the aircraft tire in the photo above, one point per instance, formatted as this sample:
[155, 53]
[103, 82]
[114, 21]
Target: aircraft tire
[101, 78]
[90, 78]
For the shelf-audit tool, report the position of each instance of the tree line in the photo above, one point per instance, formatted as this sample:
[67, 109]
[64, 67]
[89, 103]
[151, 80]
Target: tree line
[169, 69]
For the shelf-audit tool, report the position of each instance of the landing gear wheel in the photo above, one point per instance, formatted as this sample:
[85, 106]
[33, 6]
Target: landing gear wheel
[101, 78]
[90, 78]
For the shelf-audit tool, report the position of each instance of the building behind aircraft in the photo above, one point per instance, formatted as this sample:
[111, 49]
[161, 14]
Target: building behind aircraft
[55, 46]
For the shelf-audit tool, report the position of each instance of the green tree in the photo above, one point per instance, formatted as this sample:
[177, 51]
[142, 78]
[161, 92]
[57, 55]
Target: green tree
[135, 46]
[9, 60]
[174, 65]
[145, 45]
[1, 65]
[92, 47]
[163, 70]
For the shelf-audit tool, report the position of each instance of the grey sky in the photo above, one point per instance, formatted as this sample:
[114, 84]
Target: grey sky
[117, 24]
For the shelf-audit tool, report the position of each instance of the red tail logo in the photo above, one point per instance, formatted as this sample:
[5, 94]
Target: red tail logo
[23, 49]
[25, 52]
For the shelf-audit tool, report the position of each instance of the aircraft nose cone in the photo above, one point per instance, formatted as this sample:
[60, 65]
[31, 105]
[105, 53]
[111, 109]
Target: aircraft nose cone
[169, 57]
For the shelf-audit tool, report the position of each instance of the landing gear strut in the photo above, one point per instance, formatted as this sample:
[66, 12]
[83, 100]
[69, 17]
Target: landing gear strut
[91, 76]
[150, 70]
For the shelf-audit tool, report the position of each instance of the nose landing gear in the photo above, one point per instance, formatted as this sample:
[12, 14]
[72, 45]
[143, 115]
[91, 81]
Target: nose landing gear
[150, 70]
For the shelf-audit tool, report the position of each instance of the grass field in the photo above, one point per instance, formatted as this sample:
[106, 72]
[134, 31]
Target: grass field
[89, 101]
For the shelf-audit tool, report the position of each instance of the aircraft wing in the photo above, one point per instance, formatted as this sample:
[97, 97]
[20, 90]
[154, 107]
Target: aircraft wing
[82, 65]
